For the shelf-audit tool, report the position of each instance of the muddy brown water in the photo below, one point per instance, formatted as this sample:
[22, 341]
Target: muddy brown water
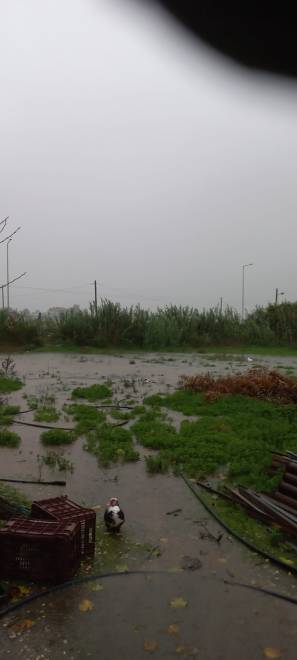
[219, 621]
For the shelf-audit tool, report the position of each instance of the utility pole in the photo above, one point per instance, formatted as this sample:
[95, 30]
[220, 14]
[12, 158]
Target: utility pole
[242, 290]
[7, 271]
[96, 299]
[3, 286]
[276, 295]
[221, 305]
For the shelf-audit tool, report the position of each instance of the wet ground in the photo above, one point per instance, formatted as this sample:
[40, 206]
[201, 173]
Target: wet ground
[187, 609]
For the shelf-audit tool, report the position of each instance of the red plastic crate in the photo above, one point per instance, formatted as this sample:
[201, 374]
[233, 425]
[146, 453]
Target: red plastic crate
[61, 508]
[41, 551]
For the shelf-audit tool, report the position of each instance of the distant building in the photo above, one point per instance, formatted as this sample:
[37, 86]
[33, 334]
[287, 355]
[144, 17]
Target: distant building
[57, 312]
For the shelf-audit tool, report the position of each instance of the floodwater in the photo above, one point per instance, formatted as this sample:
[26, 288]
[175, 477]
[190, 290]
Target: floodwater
[130, 616]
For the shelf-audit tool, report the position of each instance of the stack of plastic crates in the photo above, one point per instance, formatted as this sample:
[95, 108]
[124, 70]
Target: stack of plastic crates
[63, 509]
[41, 551]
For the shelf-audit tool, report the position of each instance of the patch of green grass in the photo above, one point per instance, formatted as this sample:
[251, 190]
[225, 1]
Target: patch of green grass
[92, 393]
[157, 464]
[9, 438]
[251, 349]
[32, 401]
[45, 410]
[14, 496]
[46, 415]
[234, 432]
[7, 414]
[138, 410]
[8, 385]
[155, 434]
[57, 437]
[268, 539]
[121, 415]
[87, 417]
[111, 444]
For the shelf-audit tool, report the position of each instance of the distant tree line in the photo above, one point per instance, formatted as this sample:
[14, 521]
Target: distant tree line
[168, 327]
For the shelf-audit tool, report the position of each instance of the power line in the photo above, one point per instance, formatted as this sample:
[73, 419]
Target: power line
[48, 290]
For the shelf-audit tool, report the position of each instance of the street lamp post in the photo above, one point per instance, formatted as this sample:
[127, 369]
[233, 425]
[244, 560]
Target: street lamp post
[277, 294]
[242, 290]
[7, 271]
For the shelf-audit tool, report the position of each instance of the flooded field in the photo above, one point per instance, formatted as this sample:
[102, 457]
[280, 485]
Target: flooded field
[161, 512]
[133, 377]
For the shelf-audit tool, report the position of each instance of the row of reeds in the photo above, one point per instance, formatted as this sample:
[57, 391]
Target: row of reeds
[167, 327]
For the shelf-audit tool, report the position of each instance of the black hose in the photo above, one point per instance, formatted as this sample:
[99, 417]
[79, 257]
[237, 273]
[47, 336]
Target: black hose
[38, 483]
[91, 578]
[268, 592]
[42, 426]
[22, 412]
[114, 406]
[60, 428]
[231, 531]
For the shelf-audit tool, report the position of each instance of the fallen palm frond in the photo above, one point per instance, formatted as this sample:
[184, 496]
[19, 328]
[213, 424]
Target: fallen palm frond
[256, 383]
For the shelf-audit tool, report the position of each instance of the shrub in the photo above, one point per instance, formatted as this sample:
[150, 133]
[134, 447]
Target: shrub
[92, 393]
[9, 438]
[57, 437]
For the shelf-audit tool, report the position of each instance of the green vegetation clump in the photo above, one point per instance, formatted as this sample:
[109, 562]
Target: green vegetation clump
[9, 438]
[18, 330]
[92, 393]
[120, 415]
[46, 415]
[234, 433]
[157, 464]
[56, 462]
[8, 384]
[57, 437]
[87, 417]
[268, 539]
[7, 413]
[111, 444]
[44, 406]
[13, 496]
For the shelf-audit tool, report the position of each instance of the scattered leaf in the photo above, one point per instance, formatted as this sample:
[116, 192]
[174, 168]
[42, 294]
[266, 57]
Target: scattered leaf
[178, 602]
[222, 560]
[173, 629]
[176, 569]
[272, 653]
[150, 645]
[25, 624]
[21, 591]
[86, 605]
[190, 651]
[163, 540]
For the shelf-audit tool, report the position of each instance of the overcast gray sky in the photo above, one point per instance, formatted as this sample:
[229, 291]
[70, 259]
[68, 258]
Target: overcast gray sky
[132, 155]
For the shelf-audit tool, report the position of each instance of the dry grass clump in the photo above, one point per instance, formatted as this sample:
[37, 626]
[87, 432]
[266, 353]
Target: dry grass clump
[256, 383]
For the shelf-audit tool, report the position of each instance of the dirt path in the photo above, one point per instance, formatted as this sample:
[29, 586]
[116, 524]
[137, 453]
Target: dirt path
[130, 616]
